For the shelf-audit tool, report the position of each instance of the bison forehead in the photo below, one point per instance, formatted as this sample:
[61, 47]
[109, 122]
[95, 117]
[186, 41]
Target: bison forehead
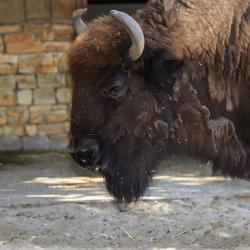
[103, 44]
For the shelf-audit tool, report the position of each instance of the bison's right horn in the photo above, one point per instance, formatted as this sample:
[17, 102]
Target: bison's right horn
[79, 25]
[135, 32]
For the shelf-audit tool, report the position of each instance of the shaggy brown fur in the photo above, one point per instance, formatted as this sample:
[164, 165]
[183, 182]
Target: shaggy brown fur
[188, 93]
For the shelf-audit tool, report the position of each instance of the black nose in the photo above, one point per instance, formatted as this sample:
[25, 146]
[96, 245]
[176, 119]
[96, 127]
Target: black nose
[86, 152]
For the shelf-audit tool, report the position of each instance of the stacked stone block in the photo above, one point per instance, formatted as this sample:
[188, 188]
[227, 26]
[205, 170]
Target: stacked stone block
[35, 89]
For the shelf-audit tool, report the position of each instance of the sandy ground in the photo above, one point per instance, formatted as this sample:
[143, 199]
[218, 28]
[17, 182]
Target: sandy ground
[46, 202]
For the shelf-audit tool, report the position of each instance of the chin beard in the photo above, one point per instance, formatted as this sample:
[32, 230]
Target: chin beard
[128, 169]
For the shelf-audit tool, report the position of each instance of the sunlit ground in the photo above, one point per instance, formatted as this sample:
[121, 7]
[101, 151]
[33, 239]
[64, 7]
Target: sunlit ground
[46, 201]
[92, 185]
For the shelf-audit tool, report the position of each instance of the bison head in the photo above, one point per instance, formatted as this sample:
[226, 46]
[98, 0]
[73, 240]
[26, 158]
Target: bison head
[146, 85]
[119, 119]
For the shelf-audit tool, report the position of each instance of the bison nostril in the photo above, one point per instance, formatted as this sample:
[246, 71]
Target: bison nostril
[86, 156]
[86, 152]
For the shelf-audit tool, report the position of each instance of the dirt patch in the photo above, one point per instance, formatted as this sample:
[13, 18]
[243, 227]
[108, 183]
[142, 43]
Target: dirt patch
[46, 202]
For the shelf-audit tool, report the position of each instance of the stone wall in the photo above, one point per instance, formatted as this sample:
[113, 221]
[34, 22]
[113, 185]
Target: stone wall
[35, 89]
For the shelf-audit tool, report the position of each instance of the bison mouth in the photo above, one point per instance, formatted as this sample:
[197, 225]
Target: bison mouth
[127, 165]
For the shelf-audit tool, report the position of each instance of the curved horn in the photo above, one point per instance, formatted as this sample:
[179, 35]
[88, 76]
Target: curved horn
[135, 32]
[79, 25]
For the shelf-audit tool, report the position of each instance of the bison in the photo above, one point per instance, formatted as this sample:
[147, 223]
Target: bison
[172, 79]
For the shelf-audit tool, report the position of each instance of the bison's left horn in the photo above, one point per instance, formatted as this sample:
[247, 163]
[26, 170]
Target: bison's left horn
[135, 32]
[79, 25]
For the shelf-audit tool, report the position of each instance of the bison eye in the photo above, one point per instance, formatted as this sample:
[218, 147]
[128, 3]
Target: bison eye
[115, 92]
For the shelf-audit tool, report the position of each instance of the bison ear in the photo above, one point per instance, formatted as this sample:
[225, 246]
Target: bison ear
[160, 70]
